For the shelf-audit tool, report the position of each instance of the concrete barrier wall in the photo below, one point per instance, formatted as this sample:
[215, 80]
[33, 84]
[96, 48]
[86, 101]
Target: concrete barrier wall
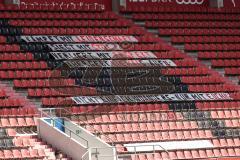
[60, 140]
[106, 152]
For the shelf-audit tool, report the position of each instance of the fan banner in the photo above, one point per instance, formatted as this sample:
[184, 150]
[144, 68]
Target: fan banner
[120, 63]
[75, 39]
[84, 47]
[113, 99]
[173, 3]
[103, 4]
[103, 55]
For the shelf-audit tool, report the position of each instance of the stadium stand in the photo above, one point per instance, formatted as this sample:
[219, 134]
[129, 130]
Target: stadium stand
[121, 82]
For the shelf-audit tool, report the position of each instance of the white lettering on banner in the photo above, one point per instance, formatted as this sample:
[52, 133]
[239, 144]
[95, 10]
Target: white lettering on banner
[120, 63]
[156, 1]
[60, 4]
[151, 98]
[80, 38]
[47, 39]
[102, 55]
[189, 1]
[197, 2]
[83, 47]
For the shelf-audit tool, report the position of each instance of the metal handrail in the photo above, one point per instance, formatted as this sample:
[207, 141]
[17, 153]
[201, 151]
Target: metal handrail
[83, 122]
[85, 154]
[71, 132]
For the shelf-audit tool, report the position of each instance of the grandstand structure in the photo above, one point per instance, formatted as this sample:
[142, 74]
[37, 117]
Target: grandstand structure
[134, 80]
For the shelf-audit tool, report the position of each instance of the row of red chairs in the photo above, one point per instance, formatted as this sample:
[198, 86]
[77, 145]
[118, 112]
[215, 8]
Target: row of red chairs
[205, 39]
[199, 32]
[18, 122]
[9, 48]
[24, 65]
[62, 92]
[70, 23]
[203, 79]
[22, 153]
[16, 56]
[57, 7]
[57, 15]
[14, 112]
[232, 71]
[118, 108]
[218, 55]
[144, 136]
[125, 116]
[218, 105]
[152, 126]
[185, 16]
[190, 24]
[232, 123]
[11, 103]
[225, 114]
[212, 47]
[34, 83]
[26, 74]
[20, 142]
[211, 154]
[225, 63]
[83, 31]
[213, 88]
[186, 71]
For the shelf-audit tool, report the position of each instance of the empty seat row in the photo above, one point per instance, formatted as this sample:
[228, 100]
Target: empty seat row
[33, 83]
[156, 136]
[26, 74]
[186, 71]
[16, 56]
[11, 102]
[80, 31]
[65, 92]
[23, 153]
[185, 16]
[199, 32]
[190, 24]
[57, 15]
[23, 65]
[118, 108]
[225, 63]
[14, 112]
[220, 154]
[213, 88]
[234, 71]
[70, 23]
[218, 105]
[212, 47]
[153, 126]
[218, 55]
[17, 122]
[202, 79]
[205, 39]
[91, 7]
[118, 117]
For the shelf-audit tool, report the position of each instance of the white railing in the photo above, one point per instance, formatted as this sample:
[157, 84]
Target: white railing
[55, 121]
[63, 112]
